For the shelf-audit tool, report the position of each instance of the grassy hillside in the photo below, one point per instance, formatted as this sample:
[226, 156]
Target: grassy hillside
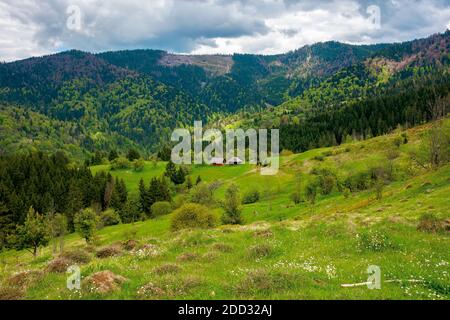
[283, 251]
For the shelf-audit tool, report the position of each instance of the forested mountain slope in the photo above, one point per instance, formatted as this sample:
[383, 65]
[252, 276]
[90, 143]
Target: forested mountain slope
[135, 98]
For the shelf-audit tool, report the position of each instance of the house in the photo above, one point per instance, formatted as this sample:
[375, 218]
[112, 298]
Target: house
[218, 162]
[235, 161]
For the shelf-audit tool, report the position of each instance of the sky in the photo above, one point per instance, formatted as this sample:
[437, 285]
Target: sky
[39, 27]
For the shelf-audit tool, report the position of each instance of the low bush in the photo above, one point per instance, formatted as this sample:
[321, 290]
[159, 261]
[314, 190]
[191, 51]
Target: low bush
[109, 218]
[252, 196]
[161, 208]
[120, 163]
[193, 216]
[296, 197]
[429, 222]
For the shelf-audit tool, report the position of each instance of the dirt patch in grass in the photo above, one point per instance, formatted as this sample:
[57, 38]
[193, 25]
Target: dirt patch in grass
[222, 247]
[429, 222]
[262, 281]
[111, 251]
[59, 265]
[78, 256]
[103, 282]
[260, 251]
[11, 293]
[169, 288]
[210, 256]
[151, 290]
[25, 278]
[263, 233]
[130, 245]
[168, 268]
[187, 257]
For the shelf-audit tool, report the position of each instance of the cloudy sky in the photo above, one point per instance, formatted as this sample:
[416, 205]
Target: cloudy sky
[38, 27]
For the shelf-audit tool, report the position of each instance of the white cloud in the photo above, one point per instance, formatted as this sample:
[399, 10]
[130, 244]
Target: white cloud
[33, 27]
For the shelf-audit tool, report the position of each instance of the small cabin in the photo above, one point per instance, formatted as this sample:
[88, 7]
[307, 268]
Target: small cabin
[235, 161]
[217, 162]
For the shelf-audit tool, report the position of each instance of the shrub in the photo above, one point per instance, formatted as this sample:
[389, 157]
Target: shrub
[133, 154]
[109, 218]
[311, 192]
[86, 223]
[429, 222]
[192, 215]
[358, 182]
[296, 197]
[138, 165]
[252, 196]
[120, 163]
[327, 184]
[286, 153]
[161, 208]
[232, 206]
[202, 194]
[319, 158]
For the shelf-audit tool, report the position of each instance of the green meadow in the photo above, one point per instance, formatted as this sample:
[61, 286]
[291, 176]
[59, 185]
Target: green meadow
[282, 250]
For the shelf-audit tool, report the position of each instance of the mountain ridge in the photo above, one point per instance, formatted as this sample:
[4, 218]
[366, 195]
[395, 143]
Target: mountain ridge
[141, 95]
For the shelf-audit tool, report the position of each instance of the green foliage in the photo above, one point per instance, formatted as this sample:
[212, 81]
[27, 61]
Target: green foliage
[109, 218]
[157, 191]
[34, 233]
[232, 206]
[311, 192]
[192, 215]
[296, 197]
[113, 155]
[177, 176]
[120, 163]
[138, 165]
[202, 194]
[131, 212]
[161, 208]
[133, 154]
[251, 196]
[86, 222]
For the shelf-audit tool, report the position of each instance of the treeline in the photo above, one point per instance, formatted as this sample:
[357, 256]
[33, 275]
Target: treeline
[407, 105]
[50, 185]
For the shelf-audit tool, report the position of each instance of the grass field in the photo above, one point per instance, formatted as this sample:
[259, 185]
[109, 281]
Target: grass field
[282, 251]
